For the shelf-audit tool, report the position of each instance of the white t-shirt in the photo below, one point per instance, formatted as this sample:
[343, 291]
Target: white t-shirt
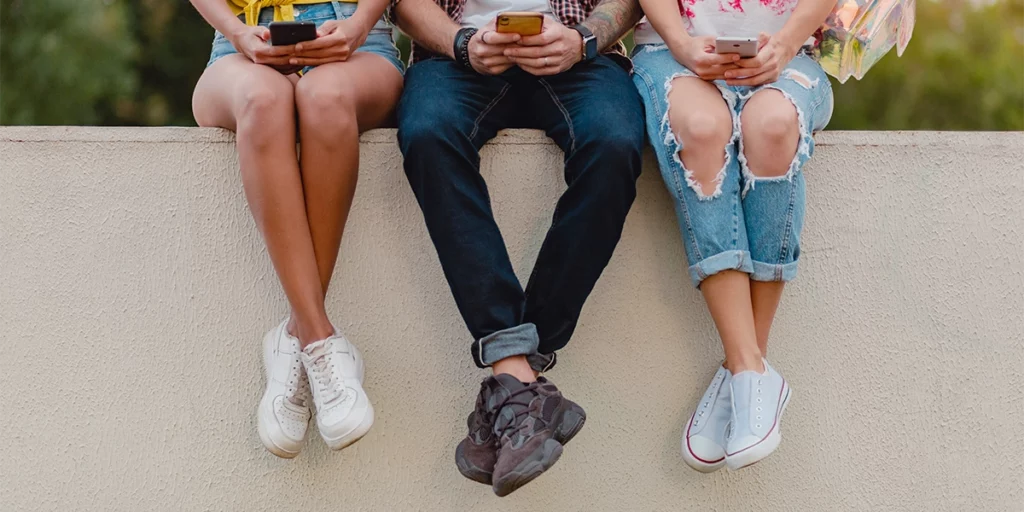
[478, 13]
[725, 18]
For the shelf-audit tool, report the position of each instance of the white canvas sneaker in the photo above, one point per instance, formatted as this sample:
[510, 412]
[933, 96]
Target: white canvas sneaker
[283, 414]
[704, 437]
[758, 401]
[343, 411]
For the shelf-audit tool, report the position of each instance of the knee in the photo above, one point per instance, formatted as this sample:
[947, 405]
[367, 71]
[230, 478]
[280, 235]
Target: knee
[424, 129]
[262, 111]
[770, 137]
[330, 107]
[702, 129]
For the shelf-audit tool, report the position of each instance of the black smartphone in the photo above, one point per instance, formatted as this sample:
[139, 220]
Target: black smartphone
[286, 33]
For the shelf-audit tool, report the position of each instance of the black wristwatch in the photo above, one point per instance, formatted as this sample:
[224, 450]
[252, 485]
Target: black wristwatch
[461, 46]
[589, 42]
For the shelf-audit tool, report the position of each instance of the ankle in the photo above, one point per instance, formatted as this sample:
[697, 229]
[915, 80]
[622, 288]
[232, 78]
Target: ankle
[310, 332]
[751, 363]
[516, 366]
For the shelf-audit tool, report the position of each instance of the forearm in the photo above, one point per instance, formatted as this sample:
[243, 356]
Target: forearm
[611, 20]
[805, 21]
[219, 15]
[664, 16]
[368, 12]
[427, 24]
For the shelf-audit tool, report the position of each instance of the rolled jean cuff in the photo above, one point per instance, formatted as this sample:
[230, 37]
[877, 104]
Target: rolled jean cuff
[542, 362]
[521, 340]
[774, 272]
[727, 260]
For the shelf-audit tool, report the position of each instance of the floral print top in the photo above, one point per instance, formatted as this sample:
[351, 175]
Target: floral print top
[725, 18]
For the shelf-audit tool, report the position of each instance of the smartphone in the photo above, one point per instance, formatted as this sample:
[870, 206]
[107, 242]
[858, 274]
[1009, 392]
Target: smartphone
[745, 46]
[287, 33]
[522, 23]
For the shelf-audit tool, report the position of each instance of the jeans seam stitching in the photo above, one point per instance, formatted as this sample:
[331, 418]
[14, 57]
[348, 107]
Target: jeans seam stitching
[565, 113]
[487, 110]
[785, 236]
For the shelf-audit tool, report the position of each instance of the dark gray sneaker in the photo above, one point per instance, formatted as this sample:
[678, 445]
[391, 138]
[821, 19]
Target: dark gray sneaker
[530, 425]
[477, 454]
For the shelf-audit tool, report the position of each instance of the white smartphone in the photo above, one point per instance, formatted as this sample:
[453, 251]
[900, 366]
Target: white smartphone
[745, 46]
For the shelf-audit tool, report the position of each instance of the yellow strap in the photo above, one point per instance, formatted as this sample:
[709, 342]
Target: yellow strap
[282, 10]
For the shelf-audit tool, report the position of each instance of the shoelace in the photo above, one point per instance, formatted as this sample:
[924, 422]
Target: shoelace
[531, 387]
[323, 373]
[298, 392]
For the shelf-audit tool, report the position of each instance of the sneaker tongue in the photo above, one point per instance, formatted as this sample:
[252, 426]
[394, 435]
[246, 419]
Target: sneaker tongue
[501, 387]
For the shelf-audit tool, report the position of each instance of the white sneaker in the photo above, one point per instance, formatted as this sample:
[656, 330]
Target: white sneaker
[343, 411]
[704, 437]
[284, 410]
[758, 401]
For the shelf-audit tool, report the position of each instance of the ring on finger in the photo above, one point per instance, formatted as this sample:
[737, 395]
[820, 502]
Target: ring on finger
[545, 62]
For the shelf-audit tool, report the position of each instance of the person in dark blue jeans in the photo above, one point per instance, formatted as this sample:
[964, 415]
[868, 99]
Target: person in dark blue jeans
[452, 105]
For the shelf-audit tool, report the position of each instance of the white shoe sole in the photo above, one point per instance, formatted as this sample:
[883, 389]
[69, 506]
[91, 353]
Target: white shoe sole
[264, 426]
[346, 440]
[365, 423]
[692, 460]
[753, 454]
[266, 423]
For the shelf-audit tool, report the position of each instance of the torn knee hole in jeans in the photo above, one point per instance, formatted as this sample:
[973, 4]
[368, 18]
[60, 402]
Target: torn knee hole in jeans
[803, 148]
[801, 79]
[671, 140]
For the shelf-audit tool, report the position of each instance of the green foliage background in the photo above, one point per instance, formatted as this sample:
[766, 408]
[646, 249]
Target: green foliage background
[134, 62]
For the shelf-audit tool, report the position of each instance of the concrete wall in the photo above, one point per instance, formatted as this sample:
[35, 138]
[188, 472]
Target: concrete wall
[135, 289]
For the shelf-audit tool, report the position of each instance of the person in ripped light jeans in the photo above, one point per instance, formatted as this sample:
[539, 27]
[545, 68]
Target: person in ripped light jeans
[328, 90]
[741, 208]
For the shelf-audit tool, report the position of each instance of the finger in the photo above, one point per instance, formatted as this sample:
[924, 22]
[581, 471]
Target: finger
[538, 62]
[755, 62]
[546, 37]
[262, 33]
[496, 60]
[327, 28]
[270, 51]
[496, 38]
[321, 42]
[271, 61]
[324, 53]
[532, 52]
[714, 59]
[760, 79]
[306, 61]
[742, 73]
[541, 71]
[762, 40]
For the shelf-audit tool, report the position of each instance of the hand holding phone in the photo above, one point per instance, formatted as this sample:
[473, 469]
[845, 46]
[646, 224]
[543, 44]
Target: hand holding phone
[522, 23]
[745, 47]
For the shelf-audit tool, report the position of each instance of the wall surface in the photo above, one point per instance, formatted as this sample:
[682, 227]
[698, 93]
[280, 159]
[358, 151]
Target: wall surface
[134, 290]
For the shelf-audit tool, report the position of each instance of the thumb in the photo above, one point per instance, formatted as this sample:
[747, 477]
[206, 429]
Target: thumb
[762, 39]
[262, 33]
[326, 28]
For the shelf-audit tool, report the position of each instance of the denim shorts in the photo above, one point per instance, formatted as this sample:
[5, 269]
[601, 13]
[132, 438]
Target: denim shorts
[749, 223]
[380, 40]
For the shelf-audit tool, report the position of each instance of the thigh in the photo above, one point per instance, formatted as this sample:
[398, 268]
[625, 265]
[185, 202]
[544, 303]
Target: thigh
[808, 89]
[370, 81]
[591, 102]
[229, 83]
[443, 97]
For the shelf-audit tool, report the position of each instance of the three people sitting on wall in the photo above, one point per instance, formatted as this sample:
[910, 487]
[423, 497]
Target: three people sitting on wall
[731, 128]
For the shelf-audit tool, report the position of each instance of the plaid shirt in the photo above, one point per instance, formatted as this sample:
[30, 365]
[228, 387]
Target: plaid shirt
[568, 12]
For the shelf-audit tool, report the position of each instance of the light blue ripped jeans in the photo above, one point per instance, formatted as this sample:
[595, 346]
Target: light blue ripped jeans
[750, 223]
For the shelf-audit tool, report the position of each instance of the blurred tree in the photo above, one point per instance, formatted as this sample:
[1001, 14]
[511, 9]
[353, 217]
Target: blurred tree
[64, 61]
[963, 70]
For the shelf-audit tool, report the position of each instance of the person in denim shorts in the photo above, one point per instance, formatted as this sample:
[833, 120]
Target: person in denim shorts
[732, 136]
[324, 92]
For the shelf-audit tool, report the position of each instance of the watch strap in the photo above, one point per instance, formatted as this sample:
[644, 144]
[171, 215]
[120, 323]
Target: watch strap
[589, 41]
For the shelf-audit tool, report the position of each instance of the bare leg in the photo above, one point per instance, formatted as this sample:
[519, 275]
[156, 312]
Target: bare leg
[258, 104]
[516, 366]
[702, 122]
[770, 138]
[337, 102]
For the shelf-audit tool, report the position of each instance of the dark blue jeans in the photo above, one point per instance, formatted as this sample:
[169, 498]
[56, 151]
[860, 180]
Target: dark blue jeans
[594, 113]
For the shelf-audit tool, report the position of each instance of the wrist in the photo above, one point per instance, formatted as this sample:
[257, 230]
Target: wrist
[460, 46]
[235, 30]
[363, 20]
[790, 43]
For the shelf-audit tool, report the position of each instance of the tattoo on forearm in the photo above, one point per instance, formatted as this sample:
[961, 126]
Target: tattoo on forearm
[611, 20]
